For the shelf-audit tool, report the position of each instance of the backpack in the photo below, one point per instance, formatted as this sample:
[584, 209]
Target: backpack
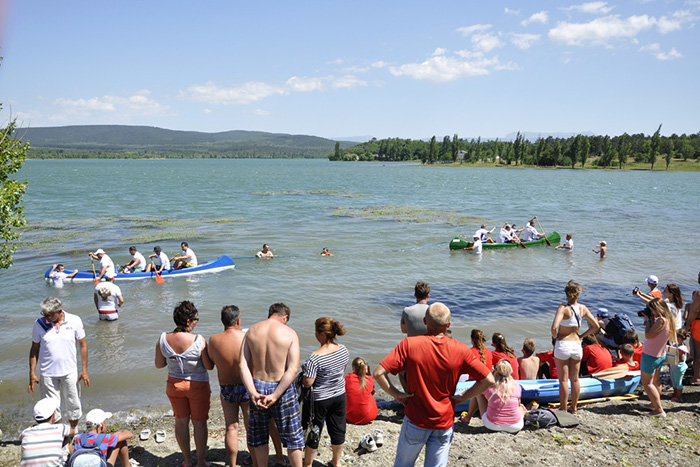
[540, 418]
[616, 329]
[89, 454]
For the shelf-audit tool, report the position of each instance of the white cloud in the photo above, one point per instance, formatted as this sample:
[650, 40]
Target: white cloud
[443, 68]
[347, 82]
[337, 61]
[508, 11]
[486, 42]
[261, 112]
[524, 41]
[137, 104]
[594, 8]
[206, 111]
[439, 51]
[244, 94]
[667, 25]
[600, 30]
[655, 50]
[467, 30]
[356, 69]
[305, 84]
[540, 17]
[379, 64]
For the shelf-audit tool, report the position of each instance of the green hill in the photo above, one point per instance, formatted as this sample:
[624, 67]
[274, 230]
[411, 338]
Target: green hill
[119, 141]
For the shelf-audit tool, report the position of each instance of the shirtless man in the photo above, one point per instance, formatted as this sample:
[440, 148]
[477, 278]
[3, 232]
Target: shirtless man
[602, 249]
[225, 350]
[269, 361]
[265, 252]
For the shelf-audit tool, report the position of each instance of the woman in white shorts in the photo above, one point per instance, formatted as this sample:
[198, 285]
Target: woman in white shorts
[567, 349]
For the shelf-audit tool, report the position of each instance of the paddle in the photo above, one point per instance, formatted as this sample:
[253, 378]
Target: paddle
[545, 233]
[94, 273]
[158, 278]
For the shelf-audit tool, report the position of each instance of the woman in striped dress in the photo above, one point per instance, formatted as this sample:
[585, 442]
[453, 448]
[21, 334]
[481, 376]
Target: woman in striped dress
[324, 371]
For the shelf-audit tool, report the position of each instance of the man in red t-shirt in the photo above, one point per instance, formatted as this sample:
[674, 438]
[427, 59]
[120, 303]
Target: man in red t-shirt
[595, 356]
[433, 363]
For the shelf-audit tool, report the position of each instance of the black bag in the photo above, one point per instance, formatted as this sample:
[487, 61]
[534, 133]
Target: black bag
[540, 418]
[616, 329]
[306, 403]
[89, 454]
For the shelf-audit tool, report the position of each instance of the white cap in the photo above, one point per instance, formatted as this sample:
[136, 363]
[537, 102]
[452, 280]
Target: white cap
[45, 408]
[97, 416]
[109, 276]
[99, 251]
[653, 279]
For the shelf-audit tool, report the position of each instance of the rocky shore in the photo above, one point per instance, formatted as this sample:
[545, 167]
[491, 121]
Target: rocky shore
[610, 433]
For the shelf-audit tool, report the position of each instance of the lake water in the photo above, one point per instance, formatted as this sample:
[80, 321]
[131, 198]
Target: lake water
[388, 226]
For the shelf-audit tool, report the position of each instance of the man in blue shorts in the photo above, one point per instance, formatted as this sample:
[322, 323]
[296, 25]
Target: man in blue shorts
[269, 364]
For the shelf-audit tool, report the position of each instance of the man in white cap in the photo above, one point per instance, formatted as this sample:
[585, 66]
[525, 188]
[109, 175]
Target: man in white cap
[476, 246]
[54, 338]
[108, 297]
[44, 443]
[106, 263]
[112, 445]
[652, 282]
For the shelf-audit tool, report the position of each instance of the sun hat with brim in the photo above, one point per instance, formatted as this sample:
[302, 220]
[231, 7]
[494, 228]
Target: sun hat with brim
[99, 251]
[45, 408]
[97, 416]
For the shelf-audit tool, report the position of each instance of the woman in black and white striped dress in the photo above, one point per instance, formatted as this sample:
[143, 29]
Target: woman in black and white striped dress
[325, 370]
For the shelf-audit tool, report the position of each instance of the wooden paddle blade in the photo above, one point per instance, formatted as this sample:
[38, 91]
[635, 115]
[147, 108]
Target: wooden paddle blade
[521, 244]
[548, 242]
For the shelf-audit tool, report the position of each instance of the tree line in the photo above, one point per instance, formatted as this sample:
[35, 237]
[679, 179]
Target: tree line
[600, 151]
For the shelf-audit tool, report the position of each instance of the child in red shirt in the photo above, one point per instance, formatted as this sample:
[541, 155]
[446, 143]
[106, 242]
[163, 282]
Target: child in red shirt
[596, 357]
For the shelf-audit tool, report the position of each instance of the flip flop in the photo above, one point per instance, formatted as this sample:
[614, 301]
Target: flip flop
[160, 436]
[145, 434]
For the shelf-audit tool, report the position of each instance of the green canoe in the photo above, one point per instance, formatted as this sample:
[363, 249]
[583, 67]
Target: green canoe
[459, 243]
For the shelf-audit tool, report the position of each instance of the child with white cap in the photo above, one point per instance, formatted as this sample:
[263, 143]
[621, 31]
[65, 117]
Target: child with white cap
[112, 445]
[45, 443]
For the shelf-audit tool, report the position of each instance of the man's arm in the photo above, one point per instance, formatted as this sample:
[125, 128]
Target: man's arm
[72, 274]
[95, 299]
[120, 300]
[102, 272]
[123, 435]
[53, 268]
[82, 343]
[289, 373]
[206, 359]
[33, 357]
[478, 388]
[246, 375]
[380, 376]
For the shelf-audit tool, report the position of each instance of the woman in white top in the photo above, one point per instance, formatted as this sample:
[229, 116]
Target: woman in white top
[567, 349]
[185, 355]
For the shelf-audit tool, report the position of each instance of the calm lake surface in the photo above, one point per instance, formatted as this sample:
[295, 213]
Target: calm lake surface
[388, 226]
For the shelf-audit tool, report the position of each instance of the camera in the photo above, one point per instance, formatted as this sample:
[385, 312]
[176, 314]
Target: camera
[645, 312]
[635, 291]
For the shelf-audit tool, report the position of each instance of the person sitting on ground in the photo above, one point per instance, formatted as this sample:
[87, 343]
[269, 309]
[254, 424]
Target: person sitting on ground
[57, 274]
[595, 356]
[359, 393]
[159, 261]
[108, 297]
[678, 371]
[112, 445]
[567, 245]
[484, 355]
[500, 405]
[45, 444]
[265, 252]
[476, 245]
[186, 260]
[483, 234]
[627, 357]
[602, 249]
[325, 252]
[548, 367]
[137, 263]
[501, 351]
[529, 363]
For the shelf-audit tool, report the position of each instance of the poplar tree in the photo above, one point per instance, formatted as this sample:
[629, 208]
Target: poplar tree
[654, 146]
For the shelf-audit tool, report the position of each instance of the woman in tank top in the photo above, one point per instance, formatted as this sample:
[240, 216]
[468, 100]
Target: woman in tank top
[567, 348]
[659, 328]
[185, 355]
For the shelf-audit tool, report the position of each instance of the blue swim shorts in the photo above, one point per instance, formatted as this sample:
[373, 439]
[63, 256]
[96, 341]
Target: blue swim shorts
[234, 393]
[285, 412]
[650, 364]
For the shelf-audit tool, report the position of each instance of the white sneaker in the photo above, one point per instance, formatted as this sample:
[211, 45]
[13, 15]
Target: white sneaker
[379, 437]
[368, 443]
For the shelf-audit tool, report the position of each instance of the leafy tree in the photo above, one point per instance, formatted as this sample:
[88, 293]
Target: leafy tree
[432, 151]
[477, 149]
[455, 147]
[654, 146]
[669, 157]
[572, 153]
[687, 150]
[585, 149]
[337, 150]
[12, 155]
[623, 150]
[540, 149]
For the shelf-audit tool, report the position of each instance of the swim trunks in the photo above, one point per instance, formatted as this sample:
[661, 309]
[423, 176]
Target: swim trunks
[285, 412]
[234, 393]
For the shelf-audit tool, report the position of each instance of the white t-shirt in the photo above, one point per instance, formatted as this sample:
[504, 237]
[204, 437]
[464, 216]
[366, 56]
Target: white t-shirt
[57, 350]
[163, 259]
[530, 233]
[477, 247]
[57, 278]
[193, 257]
[140, 261]
[504, 236]
[107, 261]
[569, 244]
[108, 294]
[481, 233]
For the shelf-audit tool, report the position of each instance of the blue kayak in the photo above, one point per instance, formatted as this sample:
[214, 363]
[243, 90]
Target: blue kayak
[547, 390]
[221, 263]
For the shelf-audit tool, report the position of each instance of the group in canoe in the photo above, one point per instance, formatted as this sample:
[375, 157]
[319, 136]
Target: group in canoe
[508, 237]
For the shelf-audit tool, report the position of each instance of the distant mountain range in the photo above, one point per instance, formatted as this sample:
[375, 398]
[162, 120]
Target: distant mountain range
[144, 141]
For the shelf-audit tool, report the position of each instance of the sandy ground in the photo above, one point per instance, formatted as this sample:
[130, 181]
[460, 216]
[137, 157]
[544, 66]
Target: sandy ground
[611, 433]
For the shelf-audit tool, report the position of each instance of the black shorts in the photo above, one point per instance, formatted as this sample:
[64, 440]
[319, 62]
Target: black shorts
[332, 411]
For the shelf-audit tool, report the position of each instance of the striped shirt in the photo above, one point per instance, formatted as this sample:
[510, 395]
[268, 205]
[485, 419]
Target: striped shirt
[329, 371]
[42, 445]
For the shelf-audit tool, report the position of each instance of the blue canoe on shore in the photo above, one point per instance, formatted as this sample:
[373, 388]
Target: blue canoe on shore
[221, 263]
[547, 390]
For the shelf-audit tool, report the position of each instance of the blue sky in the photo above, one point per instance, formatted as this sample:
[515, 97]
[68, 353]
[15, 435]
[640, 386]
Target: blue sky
[340, 69]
